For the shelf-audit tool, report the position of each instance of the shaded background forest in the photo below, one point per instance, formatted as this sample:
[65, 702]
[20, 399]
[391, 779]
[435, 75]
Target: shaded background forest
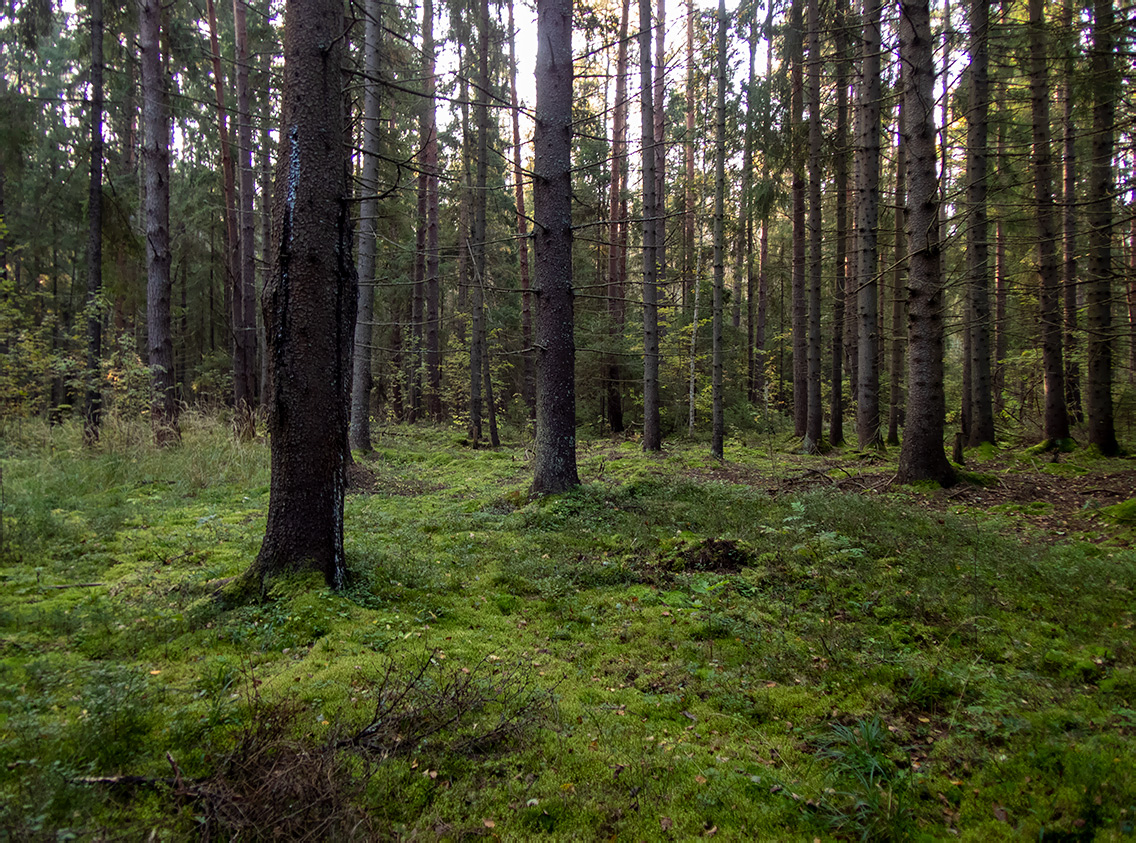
[450, 332]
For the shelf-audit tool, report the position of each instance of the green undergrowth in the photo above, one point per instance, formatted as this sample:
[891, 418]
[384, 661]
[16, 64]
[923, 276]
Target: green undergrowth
[663, 653]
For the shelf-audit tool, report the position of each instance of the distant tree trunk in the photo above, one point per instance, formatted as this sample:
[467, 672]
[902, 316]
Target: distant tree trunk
[1001, 294]
[899, 293]
[244, 290]
[660, 212]
[652, 433]
[156, 161]
[814, 424]
[476, 353]
[867, 222]
[1132, 300]
[1056, 418]
[555, 453]
[840, 177]
[528, 374]
[795, 38]
[93, 398]
[309, 304]
[921, 457]
[616, 260]
[1069, 219]
[360, 425]
[978, 232]
[465, 200]
[745, 214]
[717, 442]
[433, 302]
[1102, 432]
[688, 279]
[229, 188]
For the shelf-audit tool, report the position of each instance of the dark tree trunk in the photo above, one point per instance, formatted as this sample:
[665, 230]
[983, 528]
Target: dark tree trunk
[652, 433]
[1056, 418]
[616, 262]
[309, 304]
[815, 419]
[360, 425]
[800, 316]
[555, 456]
[660, 212]
[476, 353]
[245, 289]
[921, 457]
[433, 302]
[1069, 220]
[156, 168]
[1102, 432]
[688, 279]
[840, 177]
[528, 374]
[746, 214]
[978, 232]
[867, 222]
[93, 398]
[899, 294]
[717, 441]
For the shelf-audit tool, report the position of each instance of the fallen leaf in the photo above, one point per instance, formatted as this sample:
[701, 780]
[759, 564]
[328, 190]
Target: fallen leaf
[489, 824]
[667, 823]
[700, 779]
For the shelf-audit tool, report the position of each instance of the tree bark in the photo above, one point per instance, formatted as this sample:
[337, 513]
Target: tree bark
[93, 398]
[1069, 219]
[555, 453]
[814, 424]
[717, 442]
[899, 293]
[476, 353]
[978, 232]
[652, 433]
[800, 311]
[433, 291]
[616, 202]
[528, 374]
[244, 289]
[360, 424]
[309, 304]
[840, 179]
[156, 171]
[1102, 431]
[921, 456]
[867, 222]
[1056, 417]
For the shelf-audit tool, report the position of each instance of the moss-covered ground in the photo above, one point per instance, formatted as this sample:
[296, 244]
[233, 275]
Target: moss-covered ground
[677, 649]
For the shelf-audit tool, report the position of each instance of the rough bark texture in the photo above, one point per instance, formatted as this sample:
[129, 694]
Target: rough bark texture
[719, 424]
[745, 223]
[1102, 432]
[476, 353]
[1056, 418]
[244, 290]
[978, 232]
[360, 428]
[1069, 280]
[652, 432]
[616, 262]
[93, 399]
[800, 312]
[555, 453]
[156, 175]
[309, 304]
[921, 457]
[433, 303]
[899, 293]
[660, 102]
[528, 373]
[814, 423]
[840, 178]
[867, 221]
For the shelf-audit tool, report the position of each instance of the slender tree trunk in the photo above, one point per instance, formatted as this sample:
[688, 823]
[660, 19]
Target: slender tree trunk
[528, 384]
[745, 214]
[245, 321]
[1102, 432]
[717, 441]
[921, 457]
[652, 433]
[660, 115]
[1001, 294]
[1056, 418]
[840, 178]
[487, 375]
[867, 222]
[688, 279]
[978, 232]
[476, 354]
[800, 299]
[156, 161]
[1069, 220]
[310, 305]
[360, 424]
[814, 424]
[93, 398]
[555, 453]
[616, 261]
[433, 303]
[899, 293]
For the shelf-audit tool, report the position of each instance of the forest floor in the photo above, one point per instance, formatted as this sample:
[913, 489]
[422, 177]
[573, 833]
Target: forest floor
[780, 646]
